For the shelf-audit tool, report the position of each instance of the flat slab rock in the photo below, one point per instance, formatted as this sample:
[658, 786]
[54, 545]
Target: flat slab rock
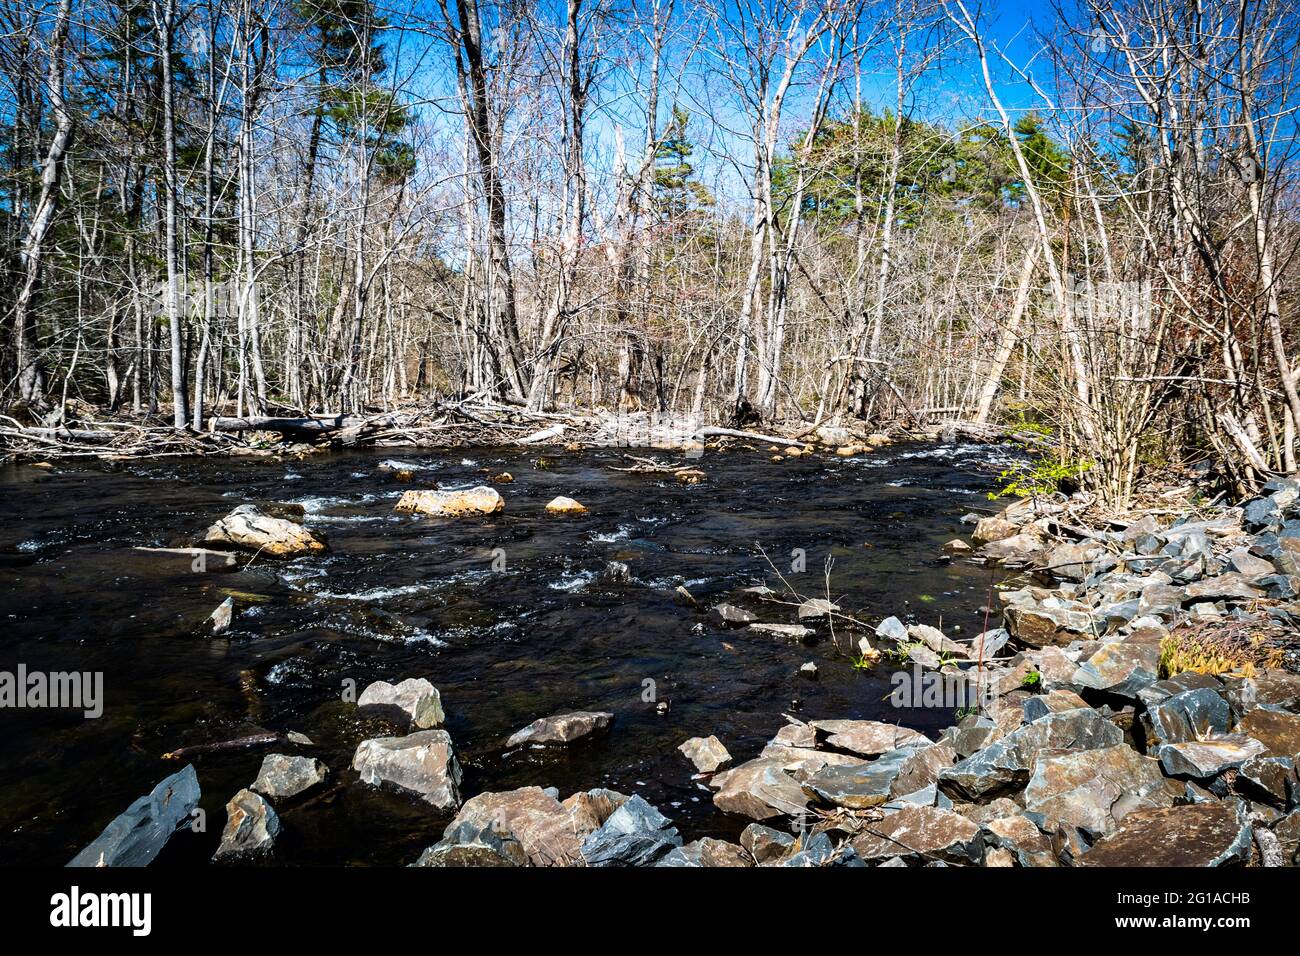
[1006, 763]
[1206, 759]
[422, 763]
[415, 698]
[561, 728]
[1277, 730]
[707, 852]
[867, 738]
[283, 776]
[1096, 789]
[1121, 667]
[927, 833]
[760, 789]
[136, 836]
[1197, 834]
[857, 787]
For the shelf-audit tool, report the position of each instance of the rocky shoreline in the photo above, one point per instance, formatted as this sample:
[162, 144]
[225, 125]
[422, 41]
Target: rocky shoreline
[1138, 706]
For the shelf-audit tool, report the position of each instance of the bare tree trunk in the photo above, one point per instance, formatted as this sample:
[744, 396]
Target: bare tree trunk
[31, 371]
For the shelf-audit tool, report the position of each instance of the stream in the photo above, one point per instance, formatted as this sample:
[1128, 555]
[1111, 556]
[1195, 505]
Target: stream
[399, 596]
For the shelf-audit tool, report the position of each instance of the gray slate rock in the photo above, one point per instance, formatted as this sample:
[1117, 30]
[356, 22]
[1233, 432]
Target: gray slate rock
[137, 836]
[422, 763]
[561, 728]
[283, 776]
[251, 828]
[636, 834]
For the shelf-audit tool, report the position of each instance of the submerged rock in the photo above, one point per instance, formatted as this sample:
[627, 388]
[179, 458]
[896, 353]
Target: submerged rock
[137, 836]
[248, 527]
[1198, 834]
[422, 763]
[561, 729]
[707, 753]
[793, 632]
[451, 504]
[283, 776]
[415, 699]
[251, 827]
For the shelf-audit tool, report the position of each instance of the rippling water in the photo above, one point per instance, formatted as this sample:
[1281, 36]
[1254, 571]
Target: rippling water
[400, 596]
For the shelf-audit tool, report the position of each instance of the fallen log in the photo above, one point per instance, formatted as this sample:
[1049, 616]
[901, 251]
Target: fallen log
[711, 431]
[555, 431]
[239, 743]
[305, 425]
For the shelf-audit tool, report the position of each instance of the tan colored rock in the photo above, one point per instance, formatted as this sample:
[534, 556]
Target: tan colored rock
[1277, 731]
[1197, 834]
[867, 738]
[707, 753]
[926, 833]
[1096, 789]
[451, 504]
[250, 528]
[993, 528]
[550, 833]
[565, 506]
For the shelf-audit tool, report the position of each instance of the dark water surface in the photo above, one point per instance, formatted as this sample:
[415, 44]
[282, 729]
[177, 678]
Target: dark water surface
[400, 596]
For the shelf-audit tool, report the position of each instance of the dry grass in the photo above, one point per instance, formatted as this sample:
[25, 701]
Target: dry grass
[1239, 648]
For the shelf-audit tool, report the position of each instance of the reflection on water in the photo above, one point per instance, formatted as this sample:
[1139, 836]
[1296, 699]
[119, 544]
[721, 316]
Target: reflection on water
[400, 596]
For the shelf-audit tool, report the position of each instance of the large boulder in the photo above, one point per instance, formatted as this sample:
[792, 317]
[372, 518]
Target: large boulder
[1197, 834]
[250, 528]
[561, 729]
[422, 763]
[993, 528]
[636, 834]
[921, 833]
[137, 836]
[1076, 561]
[414, 699]
[251, 827]
[451, 504]
[1095, 789]
[282, 777]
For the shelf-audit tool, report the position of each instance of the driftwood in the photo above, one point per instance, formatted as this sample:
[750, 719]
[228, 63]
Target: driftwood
[238, 743]
[713, 431]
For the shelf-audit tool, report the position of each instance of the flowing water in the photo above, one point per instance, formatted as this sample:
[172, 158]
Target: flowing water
[399, 596]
